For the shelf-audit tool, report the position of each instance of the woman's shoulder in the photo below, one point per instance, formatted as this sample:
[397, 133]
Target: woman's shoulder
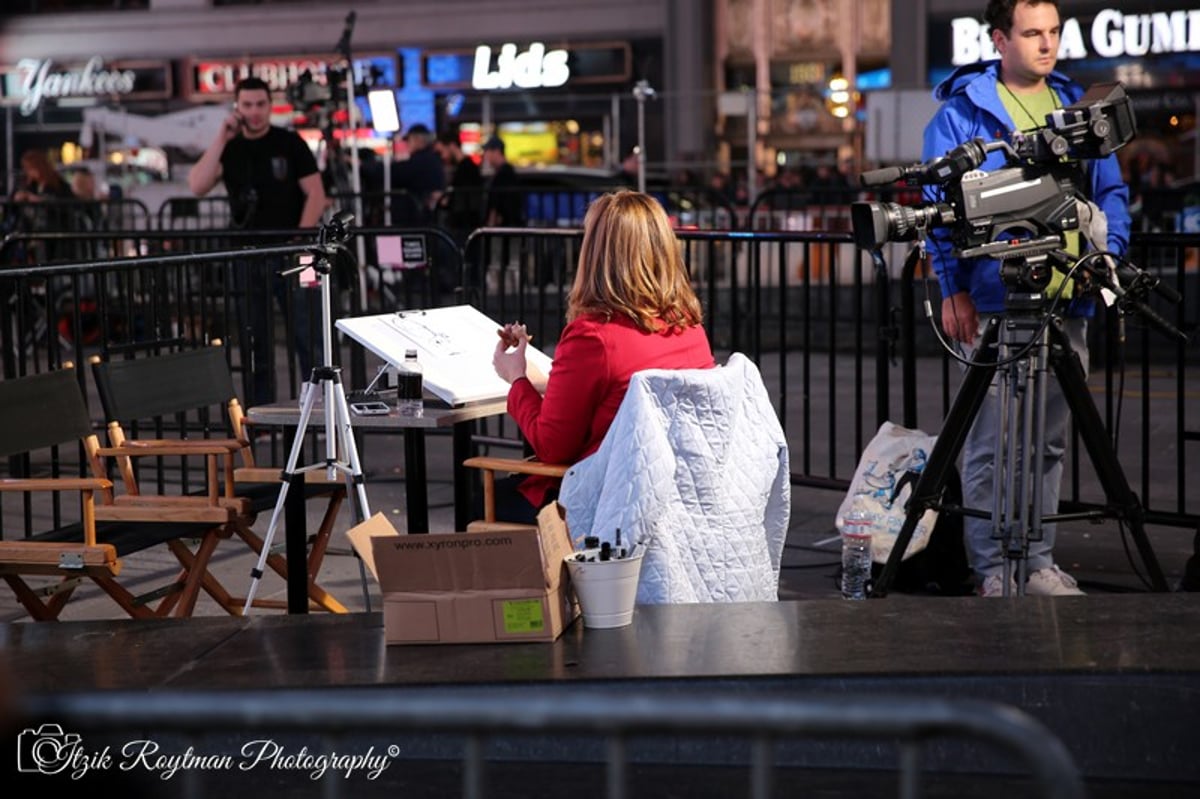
[588, 324]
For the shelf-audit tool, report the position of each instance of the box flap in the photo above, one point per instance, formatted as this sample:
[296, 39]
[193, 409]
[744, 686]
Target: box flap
[459, 561]
[556, 543]
[361, 536]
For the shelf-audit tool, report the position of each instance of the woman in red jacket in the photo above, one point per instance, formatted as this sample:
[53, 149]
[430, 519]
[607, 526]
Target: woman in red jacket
[632, 308]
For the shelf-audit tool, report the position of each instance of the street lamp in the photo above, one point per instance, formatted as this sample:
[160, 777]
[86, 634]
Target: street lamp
[642, 91]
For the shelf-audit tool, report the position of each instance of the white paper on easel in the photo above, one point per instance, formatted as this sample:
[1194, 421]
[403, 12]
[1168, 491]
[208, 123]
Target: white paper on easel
[454, 346]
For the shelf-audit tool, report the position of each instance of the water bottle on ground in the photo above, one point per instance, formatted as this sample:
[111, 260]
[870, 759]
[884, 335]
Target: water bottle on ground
[410, 387]
[856, 550]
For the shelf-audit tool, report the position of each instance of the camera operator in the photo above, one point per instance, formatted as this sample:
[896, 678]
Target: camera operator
[273, 183]
[992, 100]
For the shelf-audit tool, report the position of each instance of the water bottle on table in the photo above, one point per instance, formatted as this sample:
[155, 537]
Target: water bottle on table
[410, 387]
[856, 550]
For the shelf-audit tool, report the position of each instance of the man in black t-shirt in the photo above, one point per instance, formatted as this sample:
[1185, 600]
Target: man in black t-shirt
[273, 183]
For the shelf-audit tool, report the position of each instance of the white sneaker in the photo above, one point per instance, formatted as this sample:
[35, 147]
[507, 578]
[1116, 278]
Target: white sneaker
[1052, 582]
[993, 586]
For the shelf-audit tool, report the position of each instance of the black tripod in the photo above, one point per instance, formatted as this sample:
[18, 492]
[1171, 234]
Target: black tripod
[1016, 513]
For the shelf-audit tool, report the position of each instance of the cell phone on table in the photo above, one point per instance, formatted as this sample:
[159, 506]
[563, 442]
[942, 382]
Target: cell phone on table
[371, 408]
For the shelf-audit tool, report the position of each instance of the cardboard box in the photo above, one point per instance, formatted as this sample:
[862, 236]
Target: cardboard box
[470, 587]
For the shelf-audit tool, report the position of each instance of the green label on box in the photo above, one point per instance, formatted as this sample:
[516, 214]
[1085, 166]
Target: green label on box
[523, 616]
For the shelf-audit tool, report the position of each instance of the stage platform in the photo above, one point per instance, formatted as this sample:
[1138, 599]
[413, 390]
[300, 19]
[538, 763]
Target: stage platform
[1115, 675]
[1116, 678]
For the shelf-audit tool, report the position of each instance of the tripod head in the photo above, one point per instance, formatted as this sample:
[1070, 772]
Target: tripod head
[1027, 264]
[331, 238]
[337, 229]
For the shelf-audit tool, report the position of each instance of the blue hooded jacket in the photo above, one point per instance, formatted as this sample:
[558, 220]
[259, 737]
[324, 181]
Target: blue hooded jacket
[971, 108]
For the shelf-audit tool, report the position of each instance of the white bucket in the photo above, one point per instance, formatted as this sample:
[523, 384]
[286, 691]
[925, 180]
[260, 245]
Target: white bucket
[606, 588]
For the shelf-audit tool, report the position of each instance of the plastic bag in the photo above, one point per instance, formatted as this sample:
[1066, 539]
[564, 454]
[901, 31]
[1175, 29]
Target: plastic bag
[886, 475]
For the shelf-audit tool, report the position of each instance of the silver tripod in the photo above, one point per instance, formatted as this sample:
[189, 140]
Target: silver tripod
[1033, 346]
[1017, 516]
[326, 381]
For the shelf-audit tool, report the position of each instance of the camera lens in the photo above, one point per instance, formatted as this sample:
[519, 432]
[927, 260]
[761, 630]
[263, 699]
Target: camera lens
[877, 223]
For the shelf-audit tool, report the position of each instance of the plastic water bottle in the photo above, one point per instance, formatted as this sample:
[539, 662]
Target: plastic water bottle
[856, 550]
[410, 387]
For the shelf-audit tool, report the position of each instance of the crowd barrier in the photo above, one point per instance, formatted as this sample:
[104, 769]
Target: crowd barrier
[552, 199]
[900, 738]
[840, 337]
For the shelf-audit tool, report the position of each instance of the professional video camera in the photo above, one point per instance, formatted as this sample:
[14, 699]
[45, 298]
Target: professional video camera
[1031, 199]
[308, 95]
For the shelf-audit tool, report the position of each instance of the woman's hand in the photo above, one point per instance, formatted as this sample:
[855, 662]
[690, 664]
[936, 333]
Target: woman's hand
[511, 366]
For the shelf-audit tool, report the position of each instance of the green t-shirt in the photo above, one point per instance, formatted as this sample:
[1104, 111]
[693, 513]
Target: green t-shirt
[1029, 111]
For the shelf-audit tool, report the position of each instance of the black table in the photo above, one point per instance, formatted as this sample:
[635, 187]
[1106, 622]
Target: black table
[436, 416]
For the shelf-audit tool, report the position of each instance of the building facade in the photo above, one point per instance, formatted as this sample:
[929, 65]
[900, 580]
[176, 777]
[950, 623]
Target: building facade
[559, 73]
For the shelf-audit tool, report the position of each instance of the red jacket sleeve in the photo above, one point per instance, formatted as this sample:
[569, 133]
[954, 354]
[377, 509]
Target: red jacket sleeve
[558, 425]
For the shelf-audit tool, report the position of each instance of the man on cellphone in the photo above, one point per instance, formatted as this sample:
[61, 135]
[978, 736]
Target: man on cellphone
[273, 184]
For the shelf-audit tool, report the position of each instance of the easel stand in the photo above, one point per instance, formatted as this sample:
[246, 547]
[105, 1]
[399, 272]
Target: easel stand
[326, 381]
[1016, 515]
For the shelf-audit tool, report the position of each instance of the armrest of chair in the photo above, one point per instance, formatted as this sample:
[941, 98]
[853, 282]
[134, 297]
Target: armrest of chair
[210, 449]
[490, 466]
[54, 484]
[158, 447]
[518, 465]
[87, 486]
[273, 474]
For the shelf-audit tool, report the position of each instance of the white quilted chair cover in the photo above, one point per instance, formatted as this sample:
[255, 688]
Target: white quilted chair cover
[695, 468]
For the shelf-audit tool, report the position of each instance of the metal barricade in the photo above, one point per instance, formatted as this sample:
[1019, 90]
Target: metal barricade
[796, 303]
[617, 719]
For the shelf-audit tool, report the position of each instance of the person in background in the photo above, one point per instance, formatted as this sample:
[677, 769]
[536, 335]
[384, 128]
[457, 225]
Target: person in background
[83, 185]
[464, 205]
[631, 308]
[628, 173]
[989, 100]
[88, 211]
[421, 177]
[40, 180]
[42, 203]
[273, 183]
[503, 195]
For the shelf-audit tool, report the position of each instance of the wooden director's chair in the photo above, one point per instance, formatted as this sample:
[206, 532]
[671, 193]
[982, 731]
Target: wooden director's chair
[191, 393]
[46, 432]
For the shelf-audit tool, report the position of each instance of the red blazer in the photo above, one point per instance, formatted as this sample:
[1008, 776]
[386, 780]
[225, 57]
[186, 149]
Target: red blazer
[593, 362]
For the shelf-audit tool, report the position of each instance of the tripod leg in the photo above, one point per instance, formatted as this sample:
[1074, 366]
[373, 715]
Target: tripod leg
[355, 482]
[1018, 520]
[928, 490]
[289, 473]
[1007, 491]
[1108, 468]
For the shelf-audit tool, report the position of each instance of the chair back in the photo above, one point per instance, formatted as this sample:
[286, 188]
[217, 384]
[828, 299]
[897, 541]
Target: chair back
[42, 411]
[695, 469]
[163, 385]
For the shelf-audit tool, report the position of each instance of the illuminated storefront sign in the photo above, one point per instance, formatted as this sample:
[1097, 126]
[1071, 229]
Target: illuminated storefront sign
[1147, 46]
[215, 78]
[33, 81]
[535, 66]
[1110, 34]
